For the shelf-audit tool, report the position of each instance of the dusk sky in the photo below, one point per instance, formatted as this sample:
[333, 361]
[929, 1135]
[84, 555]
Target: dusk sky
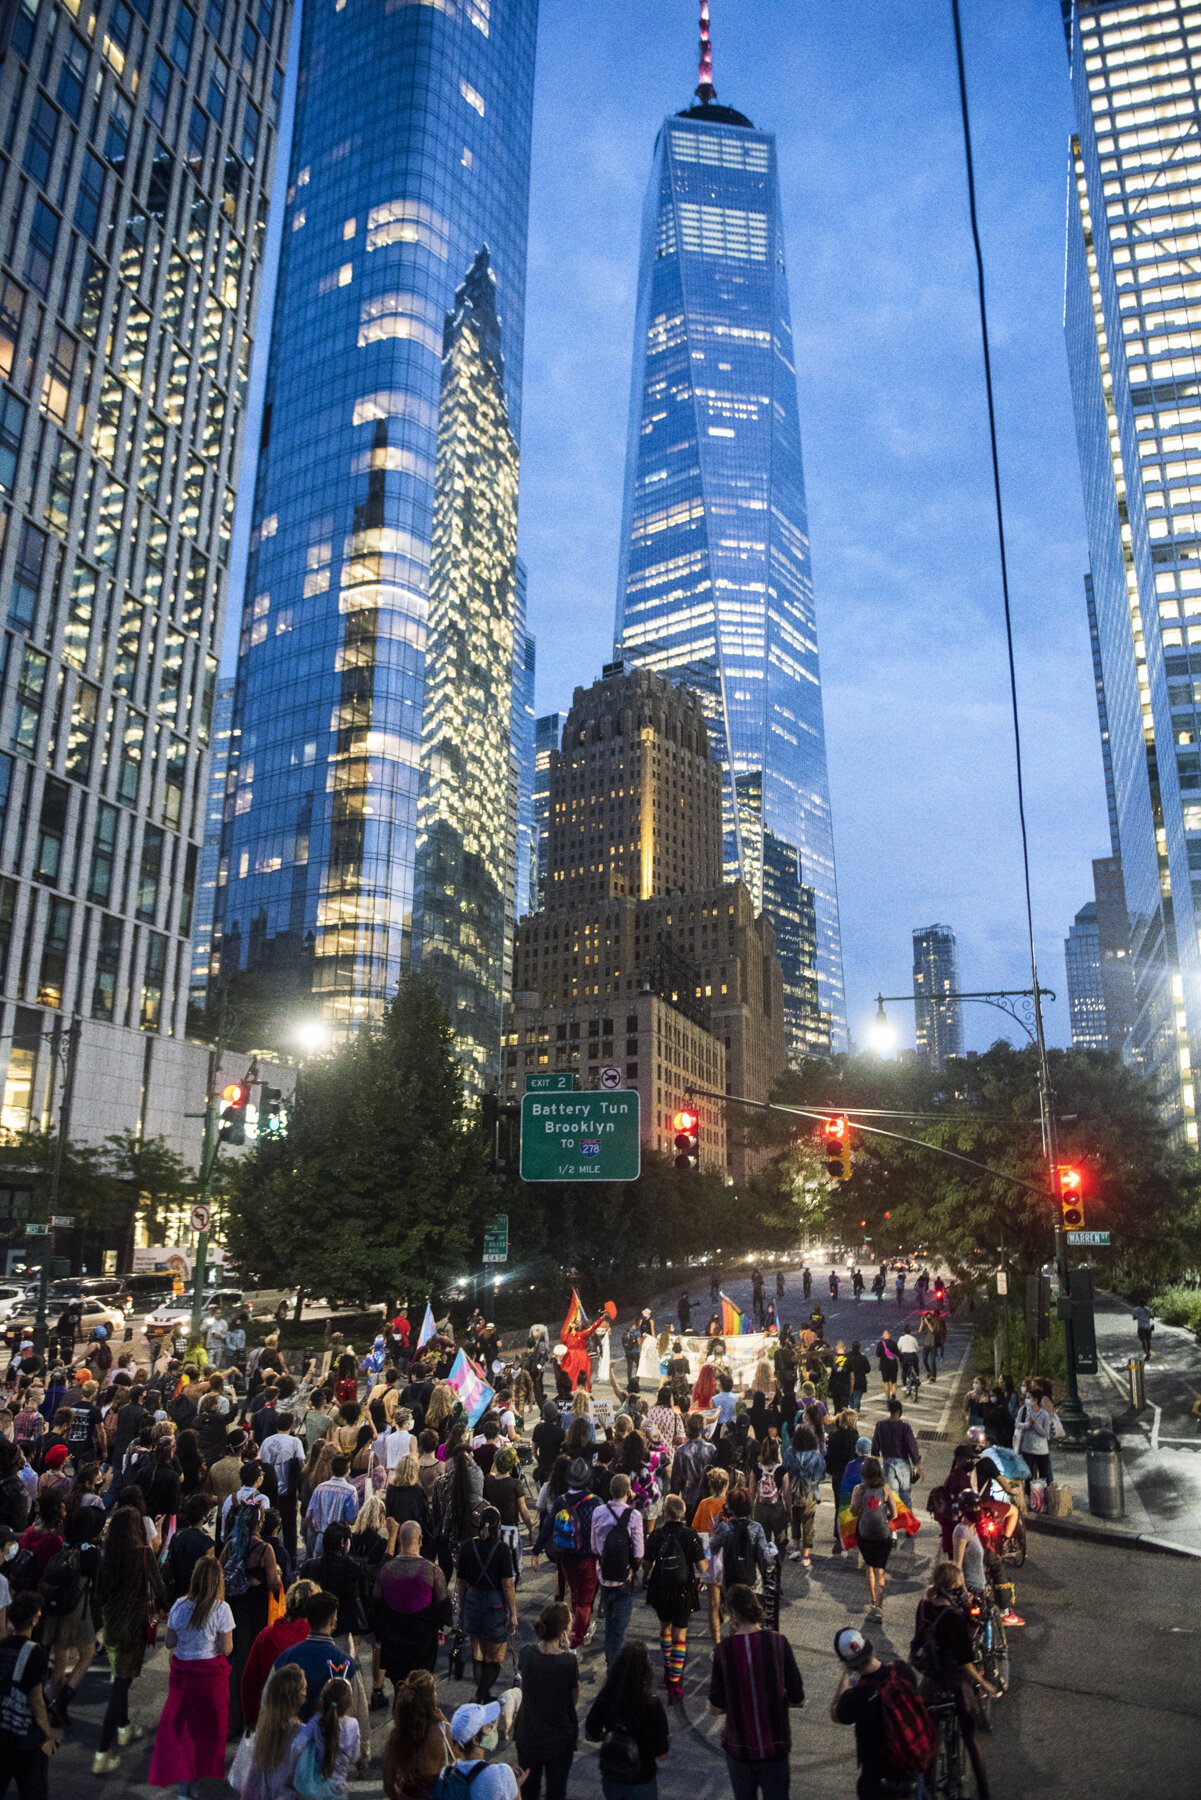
[862, 97]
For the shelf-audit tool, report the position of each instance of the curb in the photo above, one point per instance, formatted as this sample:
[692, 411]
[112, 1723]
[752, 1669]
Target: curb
[1113, 1536]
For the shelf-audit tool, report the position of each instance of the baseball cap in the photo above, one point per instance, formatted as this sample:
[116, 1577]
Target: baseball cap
[852, 1647]
[863, 1446]
[468, 1721]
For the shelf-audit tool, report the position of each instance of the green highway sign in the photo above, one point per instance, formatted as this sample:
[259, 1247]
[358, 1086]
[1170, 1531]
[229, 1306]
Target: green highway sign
[580, 1137]
[37, 1231]
[561, 1082]
[496, 1240]
[1087, 1237]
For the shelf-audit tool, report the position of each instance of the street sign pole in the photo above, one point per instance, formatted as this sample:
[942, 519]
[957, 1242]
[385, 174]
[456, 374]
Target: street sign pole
[208, 1157]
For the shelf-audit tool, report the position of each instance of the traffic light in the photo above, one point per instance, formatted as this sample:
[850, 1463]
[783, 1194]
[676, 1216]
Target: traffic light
[686, 1126]
[837, 1134]
[1070, 1197]
[270, 1112]
[233, 1113]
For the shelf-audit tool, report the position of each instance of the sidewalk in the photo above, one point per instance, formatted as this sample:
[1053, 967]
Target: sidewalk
[1161, 1445]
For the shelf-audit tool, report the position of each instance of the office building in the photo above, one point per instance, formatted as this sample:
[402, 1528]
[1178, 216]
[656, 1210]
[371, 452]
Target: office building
[547, 732]
[789, 904]
[1113, 941]
[938, 1023]
[636, 908]
[525, 726]
[468, 796]
[1133, 315]
[210, 849]
[715, 588]
[1086, 994]
[139, 141]
[410, 153]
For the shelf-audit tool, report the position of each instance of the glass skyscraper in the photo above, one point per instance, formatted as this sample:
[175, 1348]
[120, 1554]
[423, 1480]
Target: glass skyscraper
[715, 588]
[1086, 991]
[1133, 323]
[138, 143]
[410, 154]
[938, 1023]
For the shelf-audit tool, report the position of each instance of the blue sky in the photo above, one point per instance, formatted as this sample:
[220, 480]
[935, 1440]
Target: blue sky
[862, 97]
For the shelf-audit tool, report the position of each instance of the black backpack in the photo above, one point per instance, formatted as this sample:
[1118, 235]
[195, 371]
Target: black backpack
[61, 1587]
[738, 1562]
[619, 1758]
[617, 1552]
[671, 1564]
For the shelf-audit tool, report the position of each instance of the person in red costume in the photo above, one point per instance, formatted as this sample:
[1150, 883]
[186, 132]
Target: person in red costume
[577, 1362]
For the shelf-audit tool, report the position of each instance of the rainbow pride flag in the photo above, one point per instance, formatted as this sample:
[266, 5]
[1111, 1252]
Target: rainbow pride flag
[904, 1521]
[575, 1317]
[470, 1387]
[734, 1322]
[428, 1326]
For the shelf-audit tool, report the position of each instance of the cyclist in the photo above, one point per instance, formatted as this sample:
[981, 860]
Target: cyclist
[943, 1652]
[969, 1553]
[858, 1701]
[999, 1474]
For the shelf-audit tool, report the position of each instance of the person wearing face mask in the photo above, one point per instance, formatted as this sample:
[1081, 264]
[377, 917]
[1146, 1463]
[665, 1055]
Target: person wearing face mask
[473, 1736]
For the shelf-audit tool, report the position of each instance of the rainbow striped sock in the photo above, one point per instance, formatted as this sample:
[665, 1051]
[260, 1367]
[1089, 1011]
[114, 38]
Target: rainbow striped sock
[675, 1662]
[665, 1647]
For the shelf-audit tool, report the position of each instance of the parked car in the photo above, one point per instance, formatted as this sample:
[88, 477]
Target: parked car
[95, 1312]
[174, 1315]
[10, 1299]
[76, 1287]
[146, 1290]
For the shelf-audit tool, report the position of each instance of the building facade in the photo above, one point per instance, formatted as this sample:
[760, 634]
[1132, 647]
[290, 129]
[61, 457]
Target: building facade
[715, 587]
[410, 152]
[1133, 325]
[548, 731]
[137, 162]
[1113, 940]
[938, 1023]
[1086, 993]
[210, 849]
[467, 805]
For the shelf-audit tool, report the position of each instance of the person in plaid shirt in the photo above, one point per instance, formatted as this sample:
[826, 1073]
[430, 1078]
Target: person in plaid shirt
[755, 1681]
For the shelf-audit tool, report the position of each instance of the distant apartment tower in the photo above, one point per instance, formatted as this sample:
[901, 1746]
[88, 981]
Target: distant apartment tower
[547, 732]
[210, 850]
[468, 796]
[410, 152]
[1086, 992]
[715, 588]
[1133, 323]
[525, 753]
[1113, 940]
[139, 143]
[938, 1022]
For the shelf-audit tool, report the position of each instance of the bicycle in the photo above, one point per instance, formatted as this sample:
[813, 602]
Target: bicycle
[947, 1779]
[990, 1649]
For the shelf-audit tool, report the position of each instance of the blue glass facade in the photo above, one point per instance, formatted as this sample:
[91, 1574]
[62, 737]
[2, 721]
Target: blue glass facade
[525, 880]
[210, 850]
[1133, 324]
[715, 588]
[410, 153]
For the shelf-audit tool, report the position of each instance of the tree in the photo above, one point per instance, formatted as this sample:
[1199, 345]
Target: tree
[380, 1186]
[154, 1179]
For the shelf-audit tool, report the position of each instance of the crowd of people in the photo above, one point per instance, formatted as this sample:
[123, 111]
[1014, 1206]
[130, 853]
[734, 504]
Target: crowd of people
[307, 1544]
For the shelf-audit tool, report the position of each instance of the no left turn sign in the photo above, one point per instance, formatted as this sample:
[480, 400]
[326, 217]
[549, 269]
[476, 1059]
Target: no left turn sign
[201, 1217]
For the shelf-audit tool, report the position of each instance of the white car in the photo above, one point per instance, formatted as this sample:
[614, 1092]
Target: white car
[177, 1314]
[94, 1312]
[10, 1298]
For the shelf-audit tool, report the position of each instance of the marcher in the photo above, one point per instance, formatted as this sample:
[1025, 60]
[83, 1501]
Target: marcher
[627, 1719]
[873, 1508]
[252, 1579]
[270, 1645]
[189, 1744]
[908, 1349]
[67, 1591]
[754, 1684]
[888, 1363]
[27, 1738]
[411, 1608]
[547, 1728]
[675, 1558]
[473, 1734]
[319, 1655]
[942, 1652]
[805, 1467]
[618, 1544]
[571, 1546]
[329, 1743]
[276, 1737]
[130, 1592]
[419, 1745]
[894, 1443]
[487, 1600]
[690, 1463]
[865, 1689]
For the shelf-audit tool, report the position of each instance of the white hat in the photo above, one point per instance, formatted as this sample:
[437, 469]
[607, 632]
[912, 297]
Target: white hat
[469, 1721]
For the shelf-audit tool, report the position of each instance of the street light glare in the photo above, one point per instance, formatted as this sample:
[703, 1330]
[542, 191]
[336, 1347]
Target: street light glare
[312, 1035]
[882, 1036]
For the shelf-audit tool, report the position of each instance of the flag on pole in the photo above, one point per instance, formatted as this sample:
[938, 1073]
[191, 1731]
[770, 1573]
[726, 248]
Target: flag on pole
[428, 1326]
[575, 1317]
[471, 1389]
[734, 1322]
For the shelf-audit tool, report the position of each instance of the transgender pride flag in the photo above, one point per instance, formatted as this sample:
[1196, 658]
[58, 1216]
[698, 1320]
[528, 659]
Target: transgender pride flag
[472, 1390]
[428, 1327]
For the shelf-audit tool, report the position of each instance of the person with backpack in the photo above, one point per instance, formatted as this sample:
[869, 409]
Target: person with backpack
[470, 1777]
[252, 1580]
[131, 1593]
[754, 1684]
[570, 1546]
[486, 1600]
[628, 1720]
[895, 1734]
[805, 1467]
[14, 1496]
[618, 1544]
[873, 1507]
[189, 1743]
[746, 1554]
[771, 1493]
[675, 1557]
[942, 1653]
[888, 1363]
[27, 1736]
[67, 1592]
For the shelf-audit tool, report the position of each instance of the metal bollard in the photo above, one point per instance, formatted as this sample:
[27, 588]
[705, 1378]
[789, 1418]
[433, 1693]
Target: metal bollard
[1138, 1383]
[1103, 1470]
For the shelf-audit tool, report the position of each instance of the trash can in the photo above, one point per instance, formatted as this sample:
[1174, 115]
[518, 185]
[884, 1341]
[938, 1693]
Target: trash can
[1138, 1384]
[1103, 1469]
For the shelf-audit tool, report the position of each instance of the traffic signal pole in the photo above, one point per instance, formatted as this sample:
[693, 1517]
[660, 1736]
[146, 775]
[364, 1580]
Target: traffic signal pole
[1071, 1413]
[208, 1158]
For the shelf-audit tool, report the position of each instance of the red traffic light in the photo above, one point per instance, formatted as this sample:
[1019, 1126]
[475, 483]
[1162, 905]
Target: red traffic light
[1071, 1184]
[835, 1130]
[684, 1121]
[235, 1094]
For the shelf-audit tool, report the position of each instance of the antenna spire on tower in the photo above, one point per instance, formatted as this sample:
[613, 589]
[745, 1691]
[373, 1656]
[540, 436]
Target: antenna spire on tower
[706, 93]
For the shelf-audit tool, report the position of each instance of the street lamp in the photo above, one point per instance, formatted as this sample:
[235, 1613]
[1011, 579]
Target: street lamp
[883, 1033]
[313, 1035]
